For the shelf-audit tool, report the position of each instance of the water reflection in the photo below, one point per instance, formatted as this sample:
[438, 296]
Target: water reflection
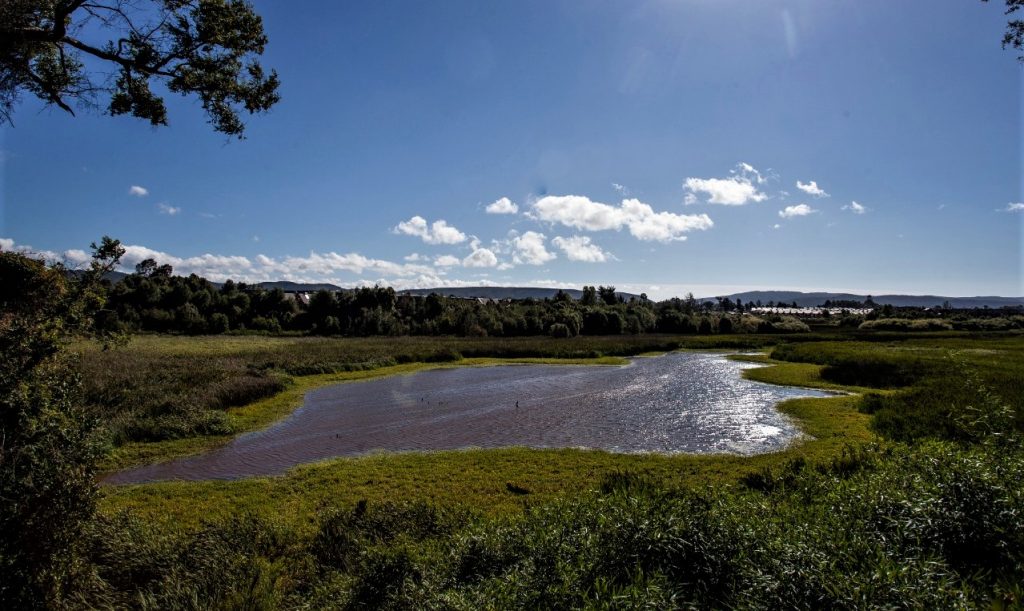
[681, 402]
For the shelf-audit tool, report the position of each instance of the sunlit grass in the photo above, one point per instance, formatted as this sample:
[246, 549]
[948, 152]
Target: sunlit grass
[478, 479]
[491, 481]
[262, 413]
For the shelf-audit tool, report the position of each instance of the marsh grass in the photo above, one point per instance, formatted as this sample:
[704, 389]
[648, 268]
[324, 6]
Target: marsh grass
[929, 526]
[856, 515]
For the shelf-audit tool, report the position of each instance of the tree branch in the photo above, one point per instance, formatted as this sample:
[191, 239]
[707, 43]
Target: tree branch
[53, 96]
[123, 61]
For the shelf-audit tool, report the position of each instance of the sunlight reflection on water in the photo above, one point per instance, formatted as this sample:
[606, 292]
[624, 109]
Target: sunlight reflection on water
[681, 402]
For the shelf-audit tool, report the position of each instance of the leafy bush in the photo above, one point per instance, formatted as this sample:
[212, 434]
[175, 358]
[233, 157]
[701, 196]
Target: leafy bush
[906, 324]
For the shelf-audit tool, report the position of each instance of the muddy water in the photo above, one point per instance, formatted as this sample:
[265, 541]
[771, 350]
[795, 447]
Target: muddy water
[680, 402]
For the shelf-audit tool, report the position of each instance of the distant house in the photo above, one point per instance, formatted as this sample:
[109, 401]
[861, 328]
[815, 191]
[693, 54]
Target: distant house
[299, 297]
[809, 311]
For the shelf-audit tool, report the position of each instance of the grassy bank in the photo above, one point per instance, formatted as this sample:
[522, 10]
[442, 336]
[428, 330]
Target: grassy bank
[165, 396]
[493, 482]
[264, 412]
[905, 493]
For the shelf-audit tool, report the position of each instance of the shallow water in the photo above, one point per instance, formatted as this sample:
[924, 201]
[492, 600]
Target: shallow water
[680, 402]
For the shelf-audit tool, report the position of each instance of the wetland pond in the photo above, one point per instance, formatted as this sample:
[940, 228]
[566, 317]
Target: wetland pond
[681, 402]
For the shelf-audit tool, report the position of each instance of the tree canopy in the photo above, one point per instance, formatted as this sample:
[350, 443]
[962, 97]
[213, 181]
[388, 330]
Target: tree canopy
[1014, 36]
[57, 50]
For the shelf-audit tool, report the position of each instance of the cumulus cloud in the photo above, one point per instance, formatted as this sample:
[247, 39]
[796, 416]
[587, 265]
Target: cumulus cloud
[168, 209]
[643, 222]
[740, 188]
[77, 257]
[502, 206]
[529, 249]
[1014, 207]
[138, 191]
[856, 208]
[438, 232]
[446, 261]
[797, 210]
[316, 267]
[580, 248]
[811, 188]
[49, 256]
[481, 257]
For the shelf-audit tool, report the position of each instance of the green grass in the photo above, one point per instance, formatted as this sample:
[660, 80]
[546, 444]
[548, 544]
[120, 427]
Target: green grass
[917, 505]
[477, 479]
[783, 373]
[265, 412]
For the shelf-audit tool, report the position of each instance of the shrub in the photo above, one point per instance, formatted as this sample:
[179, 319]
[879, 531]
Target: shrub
[906, 324]
[559, 330]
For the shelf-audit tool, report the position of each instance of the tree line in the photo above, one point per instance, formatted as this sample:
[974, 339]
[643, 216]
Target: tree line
[153, 299]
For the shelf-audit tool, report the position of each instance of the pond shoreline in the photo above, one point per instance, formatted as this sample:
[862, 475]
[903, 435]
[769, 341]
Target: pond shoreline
[553, 427]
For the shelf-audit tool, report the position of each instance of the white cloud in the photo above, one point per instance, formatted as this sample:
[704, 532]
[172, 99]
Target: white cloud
[138, 191]
[49, 256]
[856, 208]
[622, 190]
[439, 232]
[811, 188]
[1014, 207]
[332, 262]
[316, 267]
[481, 257]
[529, 249]
[776, 226]
[77, 257]
[414, 257]
[446, 261]
[797, 210]
[745, 169]
[581, 212]
[580, 248]
[502, 206]
[738, 189]
[168, 209]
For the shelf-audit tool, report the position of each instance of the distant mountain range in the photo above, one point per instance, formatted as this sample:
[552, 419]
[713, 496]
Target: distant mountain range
[810, 300]
[298, 287]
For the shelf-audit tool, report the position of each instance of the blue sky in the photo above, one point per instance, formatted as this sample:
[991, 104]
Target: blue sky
[656, 146]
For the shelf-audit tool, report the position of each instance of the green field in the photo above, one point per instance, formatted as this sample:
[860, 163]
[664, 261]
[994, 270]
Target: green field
[922, 444]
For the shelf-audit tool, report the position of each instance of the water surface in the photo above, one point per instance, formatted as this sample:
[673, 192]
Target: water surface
[681, 402]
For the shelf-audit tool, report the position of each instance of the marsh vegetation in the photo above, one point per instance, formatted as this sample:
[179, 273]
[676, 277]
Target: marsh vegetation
[907, 493]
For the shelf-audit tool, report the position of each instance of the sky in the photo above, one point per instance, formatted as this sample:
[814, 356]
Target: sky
[666, 147]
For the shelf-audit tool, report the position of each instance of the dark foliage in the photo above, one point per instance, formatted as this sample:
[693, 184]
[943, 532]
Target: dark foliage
[202, 48]
[48, 446]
